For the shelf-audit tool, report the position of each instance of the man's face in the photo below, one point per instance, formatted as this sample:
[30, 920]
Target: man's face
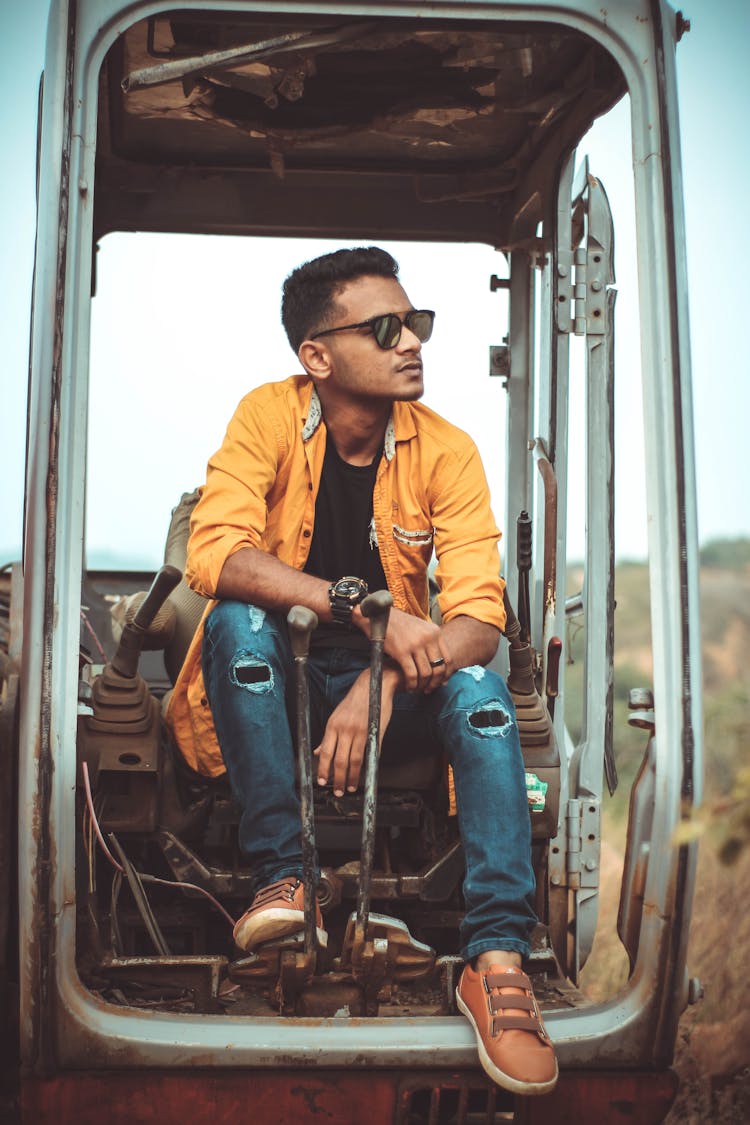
[359, 367]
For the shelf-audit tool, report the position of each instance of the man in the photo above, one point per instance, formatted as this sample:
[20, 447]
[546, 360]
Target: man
[328, 484]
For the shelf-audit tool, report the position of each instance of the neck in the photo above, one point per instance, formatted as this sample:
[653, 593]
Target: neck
[358, 430]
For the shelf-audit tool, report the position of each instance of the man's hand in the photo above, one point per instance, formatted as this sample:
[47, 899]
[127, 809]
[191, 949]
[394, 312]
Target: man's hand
[342, 749]
[427, 654]
[420, 650]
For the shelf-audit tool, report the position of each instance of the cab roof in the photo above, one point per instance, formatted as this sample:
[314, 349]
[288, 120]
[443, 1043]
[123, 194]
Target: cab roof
[306, 125]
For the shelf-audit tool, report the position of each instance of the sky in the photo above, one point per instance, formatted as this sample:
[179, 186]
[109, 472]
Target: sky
[200, 331]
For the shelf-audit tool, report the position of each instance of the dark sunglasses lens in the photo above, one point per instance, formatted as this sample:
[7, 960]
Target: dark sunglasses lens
[387, 330]
[420, 323]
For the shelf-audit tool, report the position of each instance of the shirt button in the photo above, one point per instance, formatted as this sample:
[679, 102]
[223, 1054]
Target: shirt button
[306, 533]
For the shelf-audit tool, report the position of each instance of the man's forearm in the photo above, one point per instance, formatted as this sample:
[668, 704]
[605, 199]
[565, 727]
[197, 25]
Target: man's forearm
[255, 577]
[470, 641]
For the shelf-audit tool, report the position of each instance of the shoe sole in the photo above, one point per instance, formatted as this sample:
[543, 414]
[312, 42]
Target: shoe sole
[273, 925]
[515, 1085]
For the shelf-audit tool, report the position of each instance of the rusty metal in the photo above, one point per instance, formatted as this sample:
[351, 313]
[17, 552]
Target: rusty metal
[296, 970]
[388, 945]
[434, 883]
[523, 564]
[459, 1095]
[376, 607]
[554, 652]
[265, 964]
[302, 621]
[378, 949]
[549, 481]
[198, 975]
[240, 56]
[187, 867]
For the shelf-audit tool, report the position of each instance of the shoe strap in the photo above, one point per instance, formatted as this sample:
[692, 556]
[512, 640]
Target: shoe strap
[506, 980]
[520, 1023]
[499, 1002]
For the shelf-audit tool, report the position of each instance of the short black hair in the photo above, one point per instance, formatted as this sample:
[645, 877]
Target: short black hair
[309, 292]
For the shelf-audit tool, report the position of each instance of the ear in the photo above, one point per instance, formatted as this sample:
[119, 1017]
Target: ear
[316, 359]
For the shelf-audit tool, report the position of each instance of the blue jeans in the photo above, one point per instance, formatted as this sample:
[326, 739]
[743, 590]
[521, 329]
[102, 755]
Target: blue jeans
[249, 676]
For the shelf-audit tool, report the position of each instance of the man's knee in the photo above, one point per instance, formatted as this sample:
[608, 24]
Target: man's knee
[490, 719]
[250, 672]
[482, 697]
[247, 642]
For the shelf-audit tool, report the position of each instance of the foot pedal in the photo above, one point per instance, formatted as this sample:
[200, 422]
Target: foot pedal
[265, 963]
[399, 956]
[284, 962]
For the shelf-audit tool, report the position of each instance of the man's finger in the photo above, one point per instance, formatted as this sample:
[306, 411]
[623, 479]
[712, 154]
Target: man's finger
[356, 758]
[324, 754]
[341, 767]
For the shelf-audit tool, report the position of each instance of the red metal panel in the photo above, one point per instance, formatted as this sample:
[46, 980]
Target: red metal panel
[208, 1098]
[363, 1097]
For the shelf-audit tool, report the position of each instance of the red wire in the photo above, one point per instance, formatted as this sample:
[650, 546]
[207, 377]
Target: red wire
[147, 878]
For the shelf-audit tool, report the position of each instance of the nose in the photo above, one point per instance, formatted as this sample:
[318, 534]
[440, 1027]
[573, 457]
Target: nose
[408, 341]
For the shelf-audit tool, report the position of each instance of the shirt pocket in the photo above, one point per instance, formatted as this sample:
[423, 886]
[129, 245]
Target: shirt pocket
[414, 548]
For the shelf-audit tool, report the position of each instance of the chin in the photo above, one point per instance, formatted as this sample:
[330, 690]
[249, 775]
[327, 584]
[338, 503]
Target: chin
[410, 394]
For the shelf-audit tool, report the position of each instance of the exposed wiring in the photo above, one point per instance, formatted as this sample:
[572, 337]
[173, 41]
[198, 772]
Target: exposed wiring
[141, 875]
[94, 821]
[114, 924]
[141, 901]
[91, 630]
[190, 887]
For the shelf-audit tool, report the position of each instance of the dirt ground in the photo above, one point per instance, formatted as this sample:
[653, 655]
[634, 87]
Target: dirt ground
[713, 1050]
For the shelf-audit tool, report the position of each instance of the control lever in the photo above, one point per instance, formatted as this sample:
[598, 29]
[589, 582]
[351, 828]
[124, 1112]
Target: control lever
[378, 949]
[523, 564]
[376, 607]
[125, 660]
[302, 622]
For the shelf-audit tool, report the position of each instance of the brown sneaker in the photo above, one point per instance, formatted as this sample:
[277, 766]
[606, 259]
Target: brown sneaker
[514, 1047]
[276, 911]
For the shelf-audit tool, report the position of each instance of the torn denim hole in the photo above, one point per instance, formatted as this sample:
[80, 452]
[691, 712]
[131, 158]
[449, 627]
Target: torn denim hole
[491, 720]
[476, 671]
[257, 617]
[251, 673]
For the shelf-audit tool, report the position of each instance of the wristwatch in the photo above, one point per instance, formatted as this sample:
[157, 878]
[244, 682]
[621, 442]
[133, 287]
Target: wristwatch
[344, 595]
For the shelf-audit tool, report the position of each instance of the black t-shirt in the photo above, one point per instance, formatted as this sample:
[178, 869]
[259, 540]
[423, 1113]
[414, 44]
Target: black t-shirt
[344, 537]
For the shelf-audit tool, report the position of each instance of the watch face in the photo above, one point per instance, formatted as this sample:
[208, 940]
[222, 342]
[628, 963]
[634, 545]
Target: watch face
[350, 587]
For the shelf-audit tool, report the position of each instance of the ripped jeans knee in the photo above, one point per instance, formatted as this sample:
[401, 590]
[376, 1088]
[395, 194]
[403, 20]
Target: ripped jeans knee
[244, 647]
[490, 720]
[251, 672]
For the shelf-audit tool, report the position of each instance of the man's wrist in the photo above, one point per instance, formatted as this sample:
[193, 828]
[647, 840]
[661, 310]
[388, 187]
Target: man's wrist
[344, 596]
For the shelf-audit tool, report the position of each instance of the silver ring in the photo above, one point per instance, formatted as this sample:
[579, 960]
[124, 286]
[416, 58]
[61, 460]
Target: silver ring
[437, 663]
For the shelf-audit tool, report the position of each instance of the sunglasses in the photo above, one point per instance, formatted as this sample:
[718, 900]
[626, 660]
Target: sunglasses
[387, 328]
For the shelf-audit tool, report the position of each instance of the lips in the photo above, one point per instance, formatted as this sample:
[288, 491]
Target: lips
[414, 368]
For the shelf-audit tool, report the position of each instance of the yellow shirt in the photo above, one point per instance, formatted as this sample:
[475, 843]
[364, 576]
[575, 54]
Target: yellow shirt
[430, 494]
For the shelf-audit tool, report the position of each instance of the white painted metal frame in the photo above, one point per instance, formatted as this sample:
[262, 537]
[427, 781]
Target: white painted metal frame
[618, 1033]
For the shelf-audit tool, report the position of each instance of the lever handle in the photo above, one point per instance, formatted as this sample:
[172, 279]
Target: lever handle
[377, 607]
[125, 660]
[302, 622]
[161, 587]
